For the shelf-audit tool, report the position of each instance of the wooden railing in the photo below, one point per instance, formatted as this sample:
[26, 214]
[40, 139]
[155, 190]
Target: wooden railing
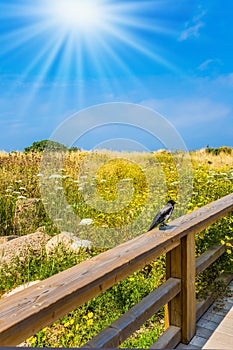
[26, 312]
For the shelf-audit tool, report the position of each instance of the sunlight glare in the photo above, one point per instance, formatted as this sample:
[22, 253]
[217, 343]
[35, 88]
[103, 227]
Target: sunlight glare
[78, 14]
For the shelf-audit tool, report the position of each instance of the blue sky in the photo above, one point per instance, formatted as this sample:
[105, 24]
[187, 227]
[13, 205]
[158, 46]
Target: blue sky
[58, 57]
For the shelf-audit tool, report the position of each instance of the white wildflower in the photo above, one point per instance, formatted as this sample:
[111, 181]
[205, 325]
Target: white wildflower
[9, 190]
[40, 175]
[55, 176]
[21, 197]
[86, 221]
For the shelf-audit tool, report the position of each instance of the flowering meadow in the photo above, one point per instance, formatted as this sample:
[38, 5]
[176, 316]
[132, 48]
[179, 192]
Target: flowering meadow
[109, 198]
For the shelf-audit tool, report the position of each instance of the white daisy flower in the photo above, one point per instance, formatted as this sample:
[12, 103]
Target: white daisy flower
[86, 221]
[55, 176]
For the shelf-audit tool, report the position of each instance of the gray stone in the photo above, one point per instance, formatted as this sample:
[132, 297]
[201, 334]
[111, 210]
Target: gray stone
[5, 239]
[67, 239]
[22, 246]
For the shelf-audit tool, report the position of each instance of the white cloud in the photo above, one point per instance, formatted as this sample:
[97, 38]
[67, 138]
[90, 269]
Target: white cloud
[190, 111]
[208, 63]
[225, 80]
[192, 27]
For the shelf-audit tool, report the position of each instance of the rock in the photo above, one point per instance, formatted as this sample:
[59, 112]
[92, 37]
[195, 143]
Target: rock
[19, 288]
[22, 246]
[5, 239]
[64, 238]
[69, 240]
[27, 216]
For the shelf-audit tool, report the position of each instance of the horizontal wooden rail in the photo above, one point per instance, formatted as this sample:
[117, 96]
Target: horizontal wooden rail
[208, 258]
[132, 320]
[170, 338]
[28, 311]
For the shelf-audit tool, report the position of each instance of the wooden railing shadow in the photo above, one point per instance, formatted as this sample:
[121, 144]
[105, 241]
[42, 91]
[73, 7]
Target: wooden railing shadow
[26, 312]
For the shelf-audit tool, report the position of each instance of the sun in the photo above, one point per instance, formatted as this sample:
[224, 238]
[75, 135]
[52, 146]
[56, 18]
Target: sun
[81, 15]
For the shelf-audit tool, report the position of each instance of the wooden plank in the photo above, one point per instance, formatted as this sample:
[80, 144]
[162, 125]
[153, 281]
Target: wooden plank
[169, 339]
[208, 257]
[132, 320]
[220, 341]
[188, 292]
[25, 313]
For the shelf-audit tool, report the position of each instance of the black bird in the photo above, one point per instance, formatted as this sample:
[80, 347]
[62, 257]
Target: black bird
[163, 215]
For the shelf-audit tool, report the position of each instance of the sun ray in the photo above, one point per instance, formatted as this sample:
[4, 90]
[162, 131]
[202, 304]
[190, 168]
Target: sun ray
[87, 40]
[142, 47]
[47, 64]
[18, 38]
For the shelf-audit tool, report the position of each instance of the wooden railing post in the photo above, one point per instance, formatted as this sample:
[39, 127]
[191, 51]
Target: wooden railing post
[173, 315]
[182, 309]
[188, 292]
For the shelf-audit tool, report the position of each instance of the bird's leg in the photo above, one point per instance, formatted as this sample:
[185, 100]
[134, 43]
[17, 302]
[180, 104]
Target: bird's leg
[163, 225]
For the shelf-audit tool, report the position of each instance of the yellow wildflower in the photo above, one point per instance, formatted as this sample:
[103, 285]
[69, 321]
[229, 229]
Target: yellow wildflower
[90, 322]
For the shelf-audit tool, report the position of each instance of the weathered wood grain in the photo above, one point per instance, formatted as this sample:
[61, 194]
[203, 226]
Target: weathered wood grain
[132, 320]
[173, 269]
[26, 312]
[208, 257]
[188, 292]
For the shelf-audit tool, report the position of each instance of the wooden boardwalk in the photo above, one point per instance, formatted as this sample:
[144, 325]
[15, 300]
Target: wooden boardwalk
[215, 328]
